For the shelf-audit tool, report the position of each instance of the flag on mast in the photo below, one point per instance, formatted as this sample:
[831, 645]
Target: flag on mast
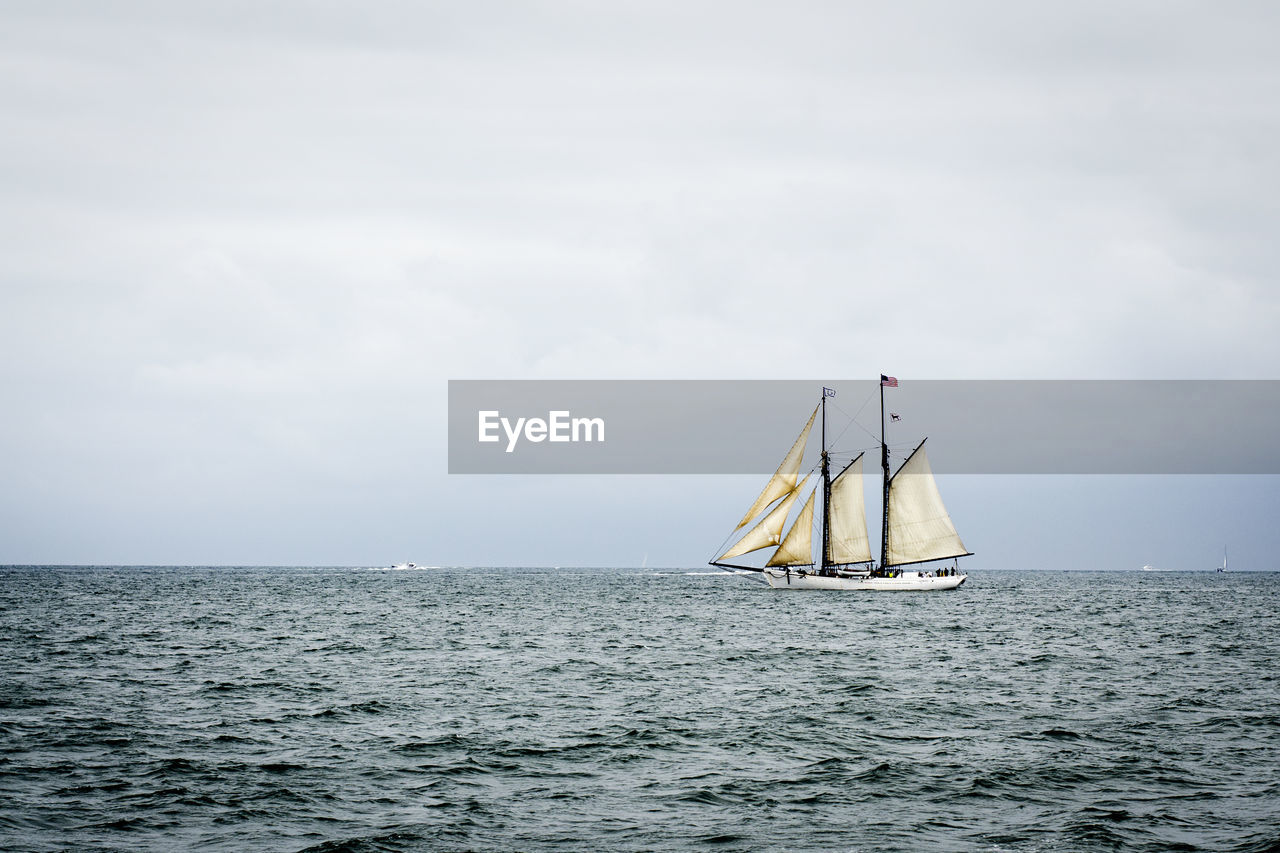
[888, 381]
[828, 392]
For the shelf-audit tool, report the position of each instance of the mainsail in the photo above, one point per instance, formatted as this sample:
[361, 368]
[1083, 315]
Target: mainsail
[797, 548]
[848, 542]
[920, 528]
[769, 531]
[783, 480]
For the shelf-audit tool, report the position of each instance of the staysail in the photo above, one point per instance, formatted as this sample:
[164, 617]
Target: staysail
[920, 528]
[797, 548]
[848, 542]
[769, 531]
[783, 480]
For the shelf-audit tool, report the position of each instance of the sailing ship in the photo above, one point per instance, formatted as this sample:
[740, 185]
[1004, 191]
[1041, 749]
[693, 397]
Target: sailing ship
[915, 529]
[1223, 567]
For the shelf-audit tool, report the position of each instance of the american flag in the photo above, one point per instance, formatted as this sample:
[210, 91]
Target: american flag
[889, 381]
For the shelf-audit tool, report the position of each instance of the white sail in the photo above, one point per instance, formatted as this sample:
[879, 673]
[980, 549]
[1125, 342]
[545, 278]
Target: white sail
[848, 541]
[919, 527]
[784, 479]
[797, 548]
[769, 531]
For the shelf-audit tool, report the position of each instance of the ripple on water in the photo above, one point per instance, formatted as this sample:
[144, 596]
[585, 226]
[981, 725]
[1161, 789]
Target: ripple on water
[329, 710]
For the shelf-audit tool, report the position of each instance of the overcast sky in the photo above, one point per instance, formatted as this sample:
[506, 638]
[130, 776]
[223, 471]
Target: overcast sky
[243, 247]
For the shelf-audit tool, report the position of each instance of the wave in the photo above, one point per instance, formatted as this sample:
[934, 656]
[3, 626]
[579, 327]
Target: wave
[336, 710]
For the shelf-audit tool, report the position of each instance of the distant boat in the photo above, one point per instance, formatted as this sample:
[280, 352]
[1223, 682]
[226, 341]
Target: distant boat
[1223, 567]
[403, 566]
[916, 527]
[1150, 569]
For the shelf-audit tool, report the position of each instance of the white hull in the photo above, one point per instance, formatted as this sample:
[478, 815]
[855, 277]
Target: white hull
[918, 581]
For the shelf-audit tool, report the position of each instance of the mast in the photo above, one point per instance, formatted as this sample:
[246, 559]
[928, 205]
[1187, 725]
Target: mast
[826, 492]
[884, 465]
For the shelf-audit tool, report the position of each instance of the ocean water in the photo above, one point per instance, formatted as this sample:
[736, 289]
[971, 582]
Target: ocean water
[233, 709]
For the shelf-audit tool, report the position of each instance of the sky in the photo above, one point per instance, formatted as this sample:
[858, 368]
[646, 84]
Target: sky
[245, 246]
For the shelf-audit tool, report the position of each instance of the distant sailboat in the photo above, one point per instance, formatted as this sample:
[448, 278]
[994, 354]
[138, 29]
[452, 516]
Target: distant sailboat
[916, 527]
[1223, 567]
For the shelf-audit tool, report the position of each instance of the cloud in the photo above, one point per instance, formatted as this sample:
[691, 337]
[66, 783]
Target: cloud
[259, 239]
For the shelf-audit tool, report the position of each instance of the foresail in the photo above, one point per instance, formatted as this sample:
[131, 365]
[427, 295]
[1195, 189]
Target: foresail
[784, 479]
[919, 527]
[797, 548]
[768, 532]
[848, 541]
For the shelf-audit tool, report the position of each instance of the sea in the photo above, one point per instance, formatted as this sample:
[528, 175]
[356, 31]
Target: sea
[531, 709]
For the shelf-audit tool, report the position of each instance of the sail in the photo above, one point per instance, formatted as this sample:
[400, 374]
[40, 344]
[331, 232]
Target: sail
[797, 548]
[784, 479]
[848, 542]
[769, 531]
[919, 527]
